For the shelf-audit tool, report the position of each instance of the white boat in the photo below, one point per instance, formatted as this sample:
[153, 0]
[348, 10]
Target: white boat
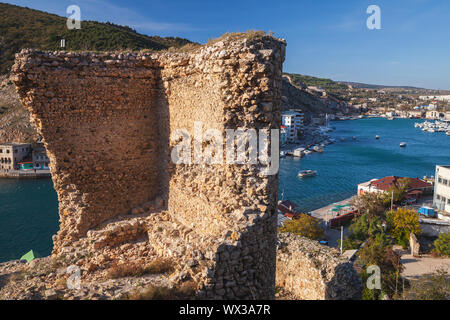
[317, 149]
[299, 152]
[307, 173]
[402, 144]
[448, 133]
[377, 137]
[306, 152]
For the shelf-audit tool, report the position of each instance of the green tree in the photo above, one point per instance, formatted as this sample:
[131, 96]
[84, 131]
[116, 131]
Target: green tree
[442, 244]
[398, 191]
[378, 252]
[401, 223]
[305, 226]
[371, 203]
[362, 228]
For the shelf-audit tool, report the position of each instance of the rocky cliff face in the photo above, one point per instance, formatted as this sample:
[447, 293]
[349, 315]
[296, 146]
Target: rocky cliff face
[15, 123]
[298, 98]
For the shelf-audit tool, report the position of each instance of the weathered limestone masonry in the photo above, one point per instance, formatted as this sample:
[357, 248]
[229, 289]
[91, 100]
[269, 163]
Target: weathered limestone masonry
[311, 271]
[106, 120]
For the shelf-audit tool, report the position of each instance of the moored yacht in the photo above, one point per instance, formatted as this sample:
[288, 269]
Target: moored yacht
[307, 173]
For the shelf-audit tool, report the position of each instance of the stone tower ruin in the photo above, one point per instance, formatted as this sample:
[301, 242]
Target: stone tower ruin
[107, 120]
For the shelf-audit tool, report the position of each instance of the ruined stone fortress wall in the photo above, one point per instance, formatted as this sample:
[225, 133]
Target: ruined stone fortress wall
[107, 119]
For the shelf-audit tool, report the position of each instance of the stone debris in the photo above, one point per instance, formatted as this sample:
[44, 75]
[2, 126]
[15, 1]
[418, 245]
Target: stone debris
[310, 271]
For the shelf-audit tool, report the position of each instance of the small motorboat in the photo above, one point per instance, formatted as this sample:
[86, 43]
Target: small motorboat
[307, 173]
[448, 133]
[402, 144]
[317, 149]
[299, 152]
[377, 137]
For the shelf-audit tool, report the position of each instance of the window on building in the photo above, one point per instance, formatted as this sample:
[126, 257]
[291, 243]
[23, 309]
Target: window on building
[7, 150]
[445, 181]
[438, 197]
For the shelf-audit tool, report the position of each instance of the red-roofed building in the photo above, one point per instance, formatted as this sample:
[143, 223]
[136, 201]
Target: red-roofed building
[416, 186]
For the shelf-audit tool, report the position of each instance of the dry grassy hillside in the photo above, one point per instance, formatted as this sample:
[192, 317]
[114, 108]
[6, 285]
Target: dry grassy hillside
[15, 123]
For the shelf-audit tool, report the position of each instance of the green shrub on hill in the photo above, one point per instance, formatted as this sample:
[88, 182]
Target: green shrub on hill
[28, 28]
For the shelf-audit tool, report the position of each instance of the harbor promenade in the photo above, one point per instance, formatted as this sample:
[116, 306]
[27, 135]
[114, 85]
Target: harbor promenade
[25, 174]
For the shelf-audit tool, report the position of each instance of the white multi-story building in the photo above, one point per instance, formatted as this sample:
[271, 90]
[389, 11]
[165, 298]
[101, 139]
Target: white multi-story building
[439, 98]
[293, 121]
[441, 198]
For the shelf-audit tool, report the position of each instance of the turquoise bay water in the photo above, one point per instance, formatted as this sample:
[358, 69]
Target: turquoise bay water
[345, 164]
[29, 208]
[28, 217]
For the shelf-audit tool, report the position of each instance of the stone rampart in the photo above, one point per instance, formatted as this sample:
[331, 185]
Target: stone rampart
[107, 120]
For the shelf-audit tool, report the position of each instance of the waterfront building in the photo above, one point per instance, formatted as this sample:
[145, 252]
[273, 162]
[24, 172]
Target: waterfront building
[415, 113]
[12, 154]
[293, 121]
[416, 186]
[441, 197]
[433, 115]
[40, 161]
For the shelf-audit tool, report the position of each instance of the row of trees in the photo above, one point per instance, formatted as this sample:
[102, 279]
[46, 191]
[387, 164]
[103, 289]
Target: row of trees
[377, 230]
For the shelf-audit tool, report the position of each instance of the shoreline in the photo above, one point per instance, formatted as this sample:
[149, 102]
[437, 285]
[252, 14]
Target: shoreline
[17, 174]
[312, 136]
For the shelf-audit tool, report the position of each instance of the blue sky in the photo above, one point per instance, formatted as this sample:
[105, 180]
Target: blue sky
[326, 38]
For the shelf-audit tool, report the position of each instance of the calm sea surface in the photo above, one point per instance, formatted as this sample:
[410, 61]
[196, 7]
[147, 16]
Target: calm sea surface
[28, 217]
[29, 208]
[345, 164]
